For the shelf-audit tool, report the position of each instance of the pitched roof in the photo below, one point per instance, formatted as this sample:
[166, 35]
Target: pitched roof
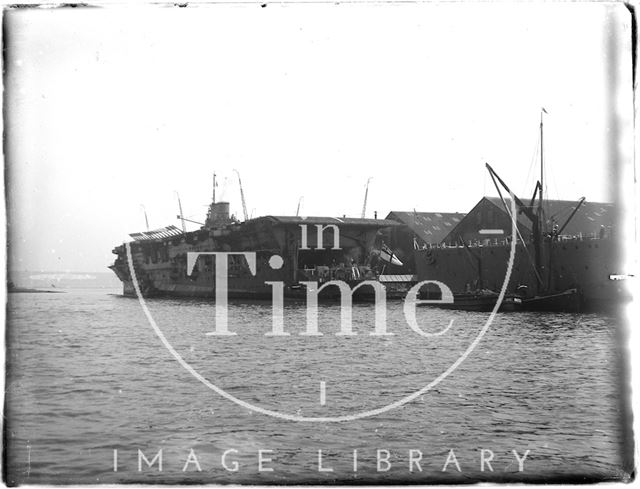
[431, 227]
[521, 218]
[588, 219]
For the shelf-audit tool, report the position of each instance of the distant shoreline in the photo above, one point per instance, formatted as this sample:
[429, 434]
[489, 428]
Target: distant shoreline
[41, 281]
[11, 288]
[25, 290]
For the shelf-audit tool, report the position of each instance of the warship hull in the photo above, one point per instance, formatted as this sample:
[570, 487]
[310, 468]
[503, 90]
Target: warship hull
[583, 265]
[287, 252]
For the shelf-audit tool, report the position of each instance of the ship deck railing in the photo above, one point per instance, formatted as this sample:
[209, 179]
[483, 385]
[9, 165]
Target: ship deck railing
[495, 242]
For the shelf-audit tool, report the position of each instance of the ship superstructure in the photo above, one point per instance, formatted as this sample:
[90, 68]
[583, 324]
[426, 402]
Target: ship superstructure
[312, 249]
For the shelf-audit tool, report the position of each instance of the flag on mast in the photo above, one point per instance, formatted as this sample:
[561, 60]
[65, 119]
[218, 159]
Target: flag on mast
[387, 255]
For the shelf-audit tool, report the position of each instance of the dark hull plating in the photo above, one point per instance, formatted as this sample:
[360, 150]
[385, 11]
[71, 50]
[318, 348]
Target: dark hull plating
[341, 254]
[583, 265]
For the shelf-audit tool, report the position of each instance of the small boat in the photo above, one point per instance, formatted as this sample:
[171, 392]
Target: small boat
[566, 301]
[479, 301]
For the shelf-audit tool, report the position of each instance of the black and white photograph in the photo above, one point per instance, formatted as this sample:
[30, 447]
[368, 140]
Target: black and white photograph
[319, 243]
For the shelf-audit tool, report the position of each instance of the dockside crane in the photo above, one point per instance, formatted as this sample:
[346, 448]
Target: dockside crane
[244, 204]
[366, 194]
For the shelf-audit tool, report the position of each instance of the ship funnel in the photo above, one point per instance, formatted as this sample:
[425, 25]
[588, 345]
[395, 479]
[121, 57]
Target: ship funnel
[218, 214]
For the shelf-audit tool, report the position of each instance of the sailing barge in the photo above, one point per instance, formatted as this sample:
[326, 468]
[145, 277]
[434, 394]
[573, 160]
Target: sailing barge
[552, 271]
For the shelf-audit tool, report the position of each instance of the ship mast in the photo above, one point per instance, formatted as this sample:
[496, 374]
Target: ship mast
[181, 216]
[214, 188]
[540, 202]
[541, 224]
[534, 217]
[298, 208]
[146, 219]
[244, 204]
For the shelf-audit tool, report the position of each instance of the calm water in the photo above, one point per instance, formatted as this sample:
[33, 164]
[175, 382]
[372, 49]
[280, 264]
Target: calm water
[87, 375]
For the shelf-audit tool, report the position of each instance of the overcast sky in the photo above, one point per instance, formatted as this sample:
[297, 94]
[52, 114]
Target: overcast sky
[109, 109]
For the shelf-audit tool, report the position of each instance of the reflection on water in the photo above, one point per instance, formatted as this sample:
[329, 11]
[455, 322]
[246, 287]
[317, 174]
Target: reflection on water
[87, 375]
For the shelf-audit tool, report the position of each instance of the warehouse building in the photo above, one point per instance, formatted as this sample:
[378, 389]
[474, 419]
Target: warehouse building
[418, 230]
[489, 221]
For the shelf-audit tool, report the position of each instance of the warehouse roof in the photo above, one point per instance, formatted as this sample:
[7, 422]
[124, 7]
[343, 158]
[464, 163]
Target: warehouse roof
[588, 219]
[431, 227]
